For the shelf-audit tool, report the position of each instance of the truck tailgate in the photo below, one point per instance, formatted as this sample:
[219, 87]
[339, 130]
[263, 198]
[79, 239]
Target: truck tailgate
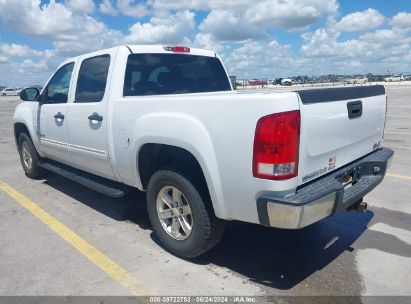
[338, 126]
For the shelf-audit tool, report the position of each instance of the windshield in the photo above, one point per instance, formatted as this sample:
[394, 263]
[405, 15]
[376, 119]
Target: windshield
[155, 74]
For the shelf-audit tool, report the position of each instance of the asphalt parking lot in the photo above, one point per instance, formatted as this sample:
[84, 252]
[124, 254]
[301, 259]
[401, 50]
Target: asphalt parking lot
[112, 250]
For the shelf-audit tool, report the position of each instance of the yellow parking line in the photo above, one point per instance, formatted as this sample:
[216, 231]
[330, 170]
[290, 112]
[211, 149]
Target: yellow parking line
[399, 176]
[114, 270]
[400, 133]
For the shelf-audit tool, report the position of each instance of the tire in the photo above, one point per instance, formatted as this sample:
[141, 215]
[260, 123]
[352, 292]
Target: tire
[4, 94]
[206, 229]
[29, 157]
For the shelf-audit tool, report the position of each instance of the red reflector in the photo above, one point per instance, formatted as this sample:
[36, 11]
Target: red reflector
[276, 146]
[177, 49]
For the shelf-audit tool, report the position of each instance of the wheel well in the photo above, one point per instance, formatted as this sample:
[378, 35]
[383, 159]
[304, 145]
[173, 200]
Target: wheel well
[154, 157]
[20, 128]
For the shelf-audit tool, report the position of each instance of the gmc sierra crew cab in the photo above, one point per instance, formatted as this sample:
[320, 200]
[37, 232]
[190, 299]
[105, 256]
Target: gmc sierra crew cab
[165, 120]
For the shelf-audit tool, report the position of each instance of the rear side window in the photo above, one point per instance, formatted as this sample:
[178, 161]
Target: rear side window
[156, 74]
[92, 79]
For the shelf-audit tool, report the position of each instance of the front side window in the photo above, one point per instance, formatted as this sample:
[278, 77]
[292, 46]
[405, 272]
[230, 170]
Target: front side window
[59, 85]
[92, 79]
[156, 74]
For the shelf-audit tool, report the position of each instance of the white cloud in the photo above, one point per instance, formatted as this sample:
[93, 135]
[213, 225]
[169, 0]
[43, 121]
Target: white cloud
[161, 5]
[81, 6]
[323, 43]
[27, 17]
[408, 57]
[53, 20]
[106, 7]
[87, 43]
[17, 50]
[370, 52]
[243, 32]
[39, 66]
[229, 25]
[360, 21]
[402, 20]
[250, 19]
[67, 27]
[207, 41]
[387, 45]
[132, 8]
[25, 73]
[173, 29]
[269, 58]
[386, 36]
[290, 14]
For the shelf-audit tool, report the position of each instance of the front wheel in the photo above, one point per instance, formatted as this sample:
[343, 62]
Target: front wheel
[181, 217]
[28, 157]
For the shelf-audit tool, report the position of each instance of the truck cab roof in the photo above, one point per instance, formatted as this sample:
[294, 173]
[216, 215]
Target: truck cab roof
[156, 49]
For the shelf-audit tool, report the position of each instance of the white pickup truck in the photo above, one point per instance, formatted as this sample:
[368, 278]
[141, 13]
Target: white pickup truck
[165, 120]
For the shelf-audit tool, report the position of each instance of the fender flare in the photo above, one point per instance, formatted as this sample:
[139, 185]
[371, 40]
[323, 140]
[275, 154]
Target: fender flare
[187, 133]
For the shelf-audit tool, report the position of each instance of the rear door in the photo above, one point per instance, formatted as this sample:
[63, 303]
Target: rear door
[87, 116]
[338, 126]
[52, 115]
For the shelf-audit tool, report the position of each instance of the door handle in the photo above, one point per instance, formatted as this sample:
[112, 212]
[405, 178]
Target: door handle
[95, 116]
[59, 116]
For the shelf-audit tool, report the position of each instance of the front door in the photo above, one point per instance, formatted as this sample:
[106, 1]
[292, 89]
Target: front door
[87, 119]
[52, 115]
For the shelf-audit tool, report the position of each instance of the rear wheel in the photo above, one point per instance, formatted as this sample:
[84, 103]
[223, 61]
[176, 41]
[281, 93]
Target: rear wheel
[29, 157]
[181, 217]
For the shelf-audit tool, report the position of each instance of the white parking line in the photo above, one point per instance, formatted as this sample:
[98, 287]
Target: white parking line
[402, 234]
[398, 116]
[399, 133]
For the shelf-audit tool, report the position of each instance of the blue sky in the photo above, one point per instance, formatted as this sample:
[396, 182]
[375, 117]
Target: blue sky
[256, 38]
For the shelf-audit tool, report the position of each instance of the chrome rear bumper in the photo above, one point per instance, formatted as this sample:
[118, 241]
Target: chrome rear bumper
[326, 195]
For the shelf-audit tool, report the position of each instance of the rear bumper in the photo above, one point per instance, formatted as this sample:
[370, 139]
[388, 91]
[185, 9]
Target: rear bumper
[325, 196]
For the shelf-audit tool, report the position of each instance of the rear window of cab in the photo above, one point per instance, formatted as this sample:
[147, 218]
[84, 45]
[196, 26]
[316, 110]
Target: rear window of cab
[158, 74]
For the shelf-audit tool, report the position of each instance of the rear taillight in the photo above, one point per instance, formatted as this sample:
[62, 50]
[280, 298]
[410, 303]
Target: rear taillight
[276, 146]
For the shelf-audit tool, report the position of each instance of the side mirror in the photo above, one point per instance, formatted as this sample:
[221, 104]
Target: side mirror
[29, 94]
